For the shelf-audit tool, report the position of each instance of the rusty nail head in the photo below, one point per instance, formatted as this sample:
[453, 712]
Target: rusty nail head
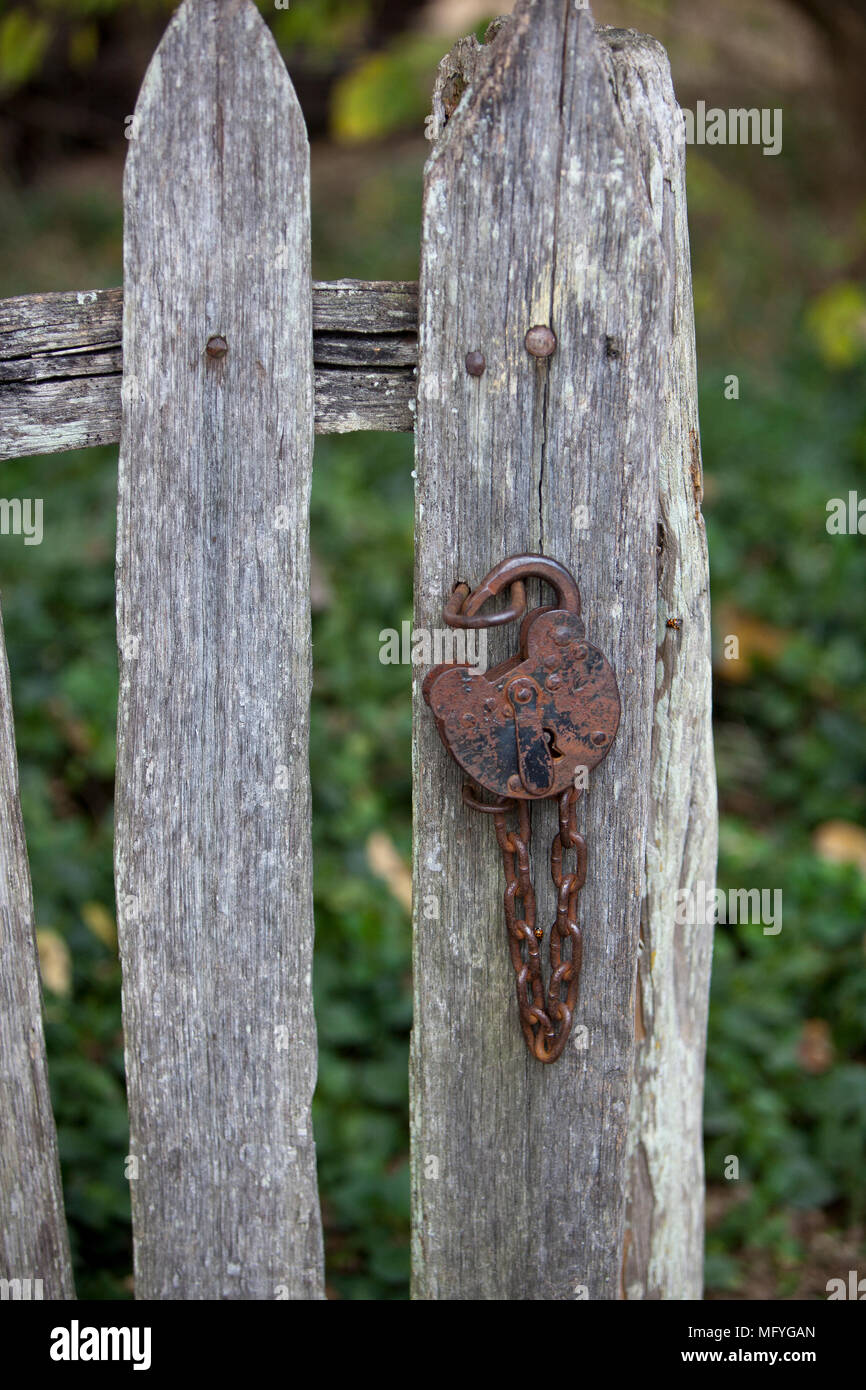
[540, 341]
[216, 347]
[475, 363]
[521, 692]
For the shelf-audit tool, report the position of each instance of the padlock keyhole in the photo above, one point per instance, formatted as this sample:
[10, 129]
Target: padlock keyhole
[550, 739]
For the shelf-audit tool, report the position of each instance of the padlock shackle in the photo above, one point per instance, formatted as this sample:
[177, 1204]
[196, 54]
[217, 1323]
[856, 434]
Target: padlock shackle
[461, 610]
[455, 614]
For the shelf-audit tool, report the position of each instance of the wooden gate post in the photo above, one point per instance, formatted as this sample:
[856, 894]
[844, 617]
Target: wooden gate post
[212, 846]
[547, 203]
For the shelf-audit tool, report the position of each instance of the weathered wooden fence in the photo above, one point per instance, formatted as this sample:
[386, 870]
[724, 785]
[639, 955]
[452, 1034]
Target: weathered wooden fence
[554, 195]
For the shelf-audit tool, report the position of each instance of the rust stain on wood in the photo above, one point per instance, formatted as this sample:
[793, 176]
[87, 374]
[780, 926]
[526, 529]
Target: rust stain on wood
[696, 473]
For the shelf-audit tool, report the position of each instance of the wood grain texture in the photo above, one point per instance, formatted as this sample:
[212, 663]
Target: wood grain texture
[50, 417]
[350, 399]
[665, 1218]
[34, 324]
[33, 1239]
[61, 362]
[365, 306]
[363, 350]
[212, 846]
[535, 212]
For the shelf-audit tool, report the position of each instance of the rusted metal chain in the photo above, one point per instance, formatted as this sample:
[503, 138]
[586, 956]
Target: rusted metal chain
[545, 1021]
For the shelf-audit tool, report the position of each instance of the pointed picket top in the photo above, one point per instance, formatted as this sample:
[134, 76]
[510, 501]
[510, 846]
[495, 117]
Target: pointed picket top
[212, 850]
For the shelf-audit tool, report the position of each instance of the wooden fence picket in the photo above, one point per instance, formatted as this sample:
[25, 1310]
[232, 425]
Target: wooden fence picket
[537, 210]
[34, 1247]
[212, 845]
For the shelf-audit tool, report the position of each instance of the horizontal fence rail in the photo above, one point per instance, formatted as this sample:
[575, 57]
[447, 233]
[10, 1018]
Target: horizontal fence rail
[61, 363]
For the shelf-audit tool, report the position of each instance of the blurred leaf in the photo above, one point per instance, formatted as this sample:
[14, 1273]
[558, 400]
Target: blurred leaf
[755, 640]
[387, 91]
[100, 921]
[23, 42]
[387, 865]
[837, 319]
[55, 962]
[83, 45]
[840, 842]
[815, 1048]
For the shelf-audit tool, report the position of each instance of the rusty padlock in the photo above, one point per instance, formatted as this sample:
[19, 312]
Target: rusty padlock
[523, 731]
[524, 728]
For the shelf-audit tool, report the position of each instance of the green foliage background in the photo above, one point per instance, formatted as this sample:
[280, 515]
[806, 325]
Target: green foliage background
[781, 305]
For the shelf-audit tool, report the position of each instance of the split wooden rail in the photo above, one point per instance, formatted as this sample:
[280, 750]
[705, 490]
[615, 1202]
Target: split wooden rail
[554, 194]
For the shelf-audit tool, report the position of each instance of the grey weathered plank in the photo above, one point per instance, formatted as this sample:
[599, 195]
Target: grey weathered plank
[365, 306]
[61, 361]
[32, 324]
[350, 399]
[535, 211]
[33, 1239]
[364, 350]
[48, 417]
[60, 366]
[664, 1230]
[212, 846]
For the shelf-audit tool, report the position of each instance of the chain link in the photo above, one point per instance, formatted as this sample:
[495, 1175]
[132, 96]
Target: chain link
[546, 1023]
